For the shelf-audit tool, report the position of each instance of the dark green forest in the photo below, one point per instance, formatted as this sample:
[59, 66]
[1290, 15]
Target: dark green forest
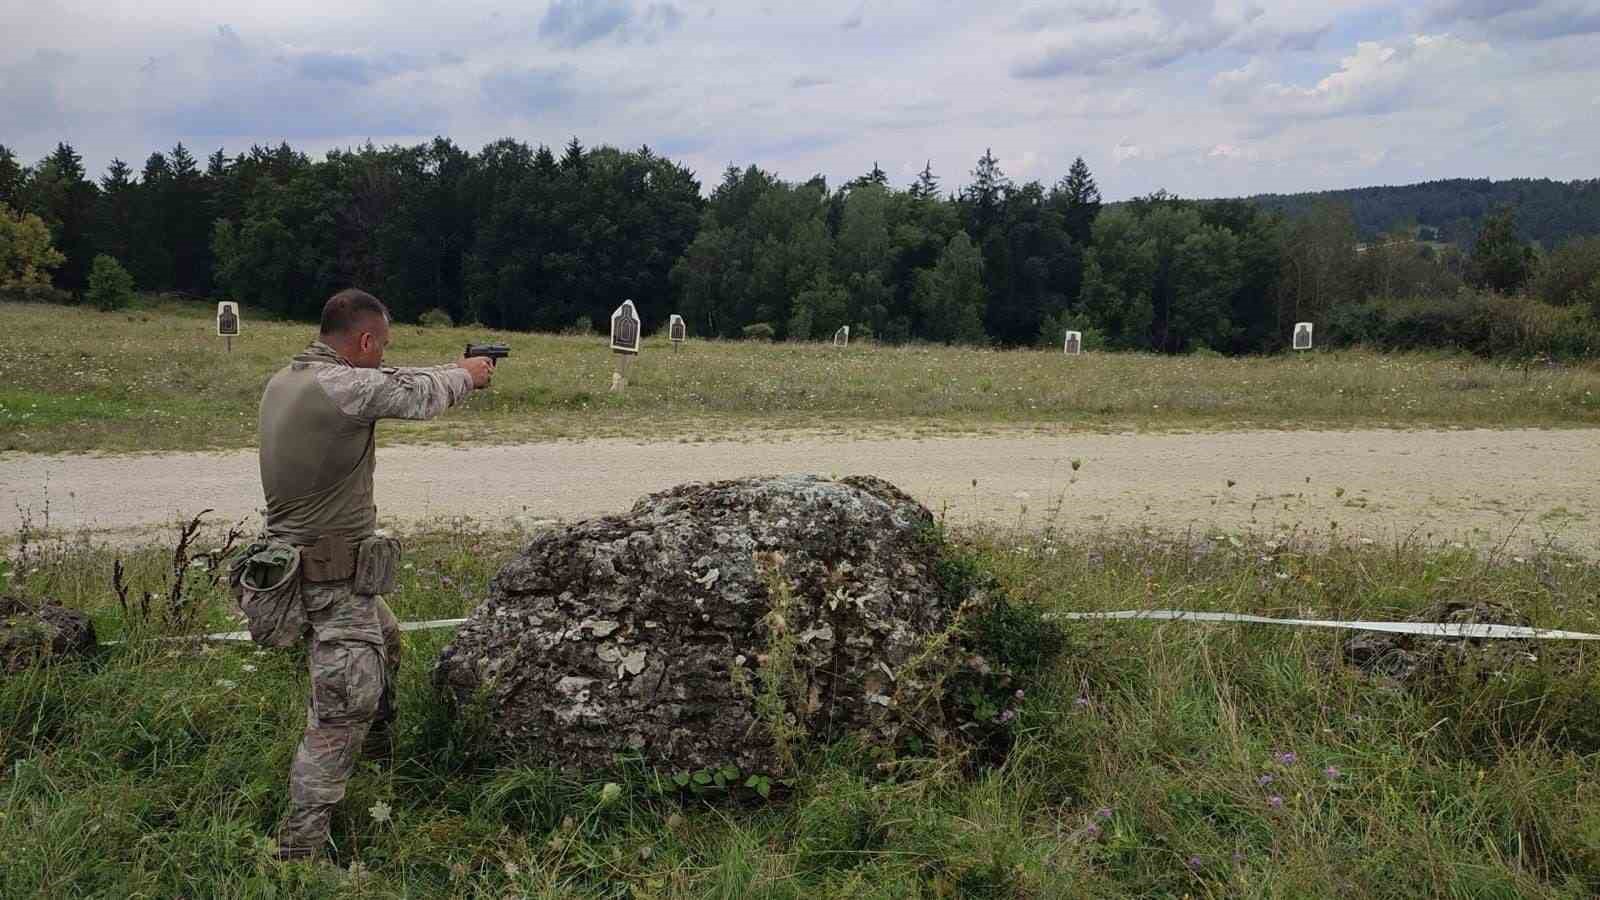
[1452, 210]
[525, 237]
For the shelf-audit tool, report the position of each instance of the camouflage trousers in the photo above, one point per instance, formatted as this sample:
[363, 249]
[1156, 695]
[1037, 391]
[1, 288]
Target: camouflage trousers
[355, 653]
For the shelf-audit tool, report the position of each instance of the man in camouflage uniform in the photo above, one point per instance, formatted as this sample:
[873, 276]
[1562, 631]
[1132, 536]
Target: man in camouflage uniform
[318, 418]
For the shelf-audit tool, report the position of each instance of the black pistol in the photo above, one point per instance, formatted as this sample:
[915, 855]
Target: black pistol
[495, 352]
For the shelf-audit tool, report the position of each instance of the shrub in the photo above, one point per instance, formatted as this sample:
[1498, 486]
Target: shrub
[760, 331]
[436, 318]
[582, 325]
[110, 285]
[1479, 322]
[1053, 330]
[34, 293]
[26, 254]
[1570, 276]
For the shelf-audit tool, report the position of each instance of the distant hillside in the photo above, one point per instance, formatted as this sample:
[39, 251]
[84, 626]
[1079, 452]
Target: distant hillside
[1547, 211]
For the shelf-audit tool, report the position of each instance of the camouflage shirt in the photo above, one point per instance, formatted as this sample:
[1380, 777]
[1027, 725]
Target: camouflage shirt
[317, 437]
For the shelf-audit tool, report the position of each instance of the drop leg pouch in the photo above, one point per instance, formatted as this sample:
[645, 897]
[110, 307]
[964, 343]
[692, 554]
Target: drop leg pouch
[266, 579]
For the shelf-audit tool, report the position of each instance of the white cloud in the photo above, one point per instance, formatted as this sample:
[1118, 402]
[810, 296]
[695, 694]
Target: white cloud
[1518, 19]
[1376, 78]
[1230, 152]
[1024, 166]
[1115, 39]
[1126, 150]
[1236, 85]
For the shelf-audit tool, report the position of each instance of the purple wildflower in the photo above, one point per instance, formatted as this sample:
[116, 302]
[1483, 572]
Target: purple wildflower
[1264, 780]
[1081, 702]
[1103, 813]
[1007, 716]
[1332, 772]
[1275, 801]
[1019, 695]
[1195, 863]
[1092, 830]
[1287, 758]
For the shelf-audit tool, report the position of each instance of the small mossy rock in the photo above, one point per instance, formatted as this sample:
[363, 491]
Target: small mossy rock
[1409, 658]
[651, 634]
[35, 633]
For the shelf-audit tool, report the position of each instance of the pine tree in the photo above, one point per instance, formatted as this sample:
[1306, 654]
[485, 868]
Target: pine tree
[188, 224]
[218, 165]
[224, 195]
[11, 178]
[1082, 200]
[149, 258]
[68, 202]
[876, 176]
[574, 160]
[926, 187]
[118, 199]
[545, 164]
[985, 195]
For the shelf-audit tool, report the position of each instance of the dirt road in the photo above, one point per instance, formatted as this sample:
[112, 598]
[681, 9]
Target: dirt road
[1474, 486]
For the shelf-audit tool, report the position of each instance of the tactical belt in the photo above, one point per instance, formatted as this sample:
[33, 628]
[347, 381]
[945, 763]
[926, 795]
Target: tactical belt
[371, 565]
[331, 558]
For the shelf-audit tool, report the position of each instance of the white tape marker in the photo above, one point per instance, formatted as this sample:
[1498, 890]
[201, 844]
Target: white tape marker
[1426, 629]
[404, 626]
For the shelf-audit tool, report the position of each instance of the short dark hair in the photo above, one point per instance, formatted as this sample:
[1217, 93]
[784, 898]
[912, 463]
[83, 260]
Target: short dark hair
[344, 310]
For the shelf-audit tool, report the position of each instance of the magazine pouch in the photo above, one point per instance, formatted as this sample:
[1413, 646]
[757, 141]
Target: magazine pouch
[377, 565]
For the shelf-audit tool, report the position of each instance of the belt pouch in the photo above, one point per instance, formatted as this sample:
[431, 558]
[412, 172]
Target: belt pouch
[377, 565]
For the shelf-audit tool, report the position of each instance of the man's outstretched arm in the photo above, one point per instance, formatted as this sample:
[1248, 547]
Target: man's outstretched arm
[408, 393]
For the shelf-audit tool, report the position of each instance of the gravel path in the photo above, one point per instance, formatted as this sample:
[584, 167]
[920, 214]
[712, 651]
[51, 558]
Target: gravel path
[1474, 486]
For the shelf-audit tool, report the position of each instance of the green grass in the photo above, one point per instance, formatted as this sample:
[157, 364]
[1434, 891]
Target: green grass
[158, 770]
[157, 378]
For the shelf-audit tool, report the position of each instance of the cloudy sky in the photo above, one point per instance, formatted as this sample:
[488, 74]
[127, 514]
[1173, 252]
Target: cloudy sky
[1202, 99]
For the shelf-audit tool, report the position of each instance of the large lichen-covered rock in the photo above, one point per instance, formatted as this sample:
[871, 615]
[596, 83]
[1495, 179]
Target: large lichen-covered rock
[708, 626]
[35, 633]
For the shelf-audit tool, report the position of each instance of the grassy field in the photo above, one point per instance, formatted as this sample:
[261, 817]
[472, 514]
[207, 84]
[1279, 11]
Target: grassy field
[157, 378]
[1150, 760]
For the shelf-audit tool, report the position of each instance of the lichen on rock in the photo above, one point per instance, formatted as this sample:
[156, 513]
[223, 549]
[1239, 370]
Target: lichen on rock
[35, 633]
[708, 626]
